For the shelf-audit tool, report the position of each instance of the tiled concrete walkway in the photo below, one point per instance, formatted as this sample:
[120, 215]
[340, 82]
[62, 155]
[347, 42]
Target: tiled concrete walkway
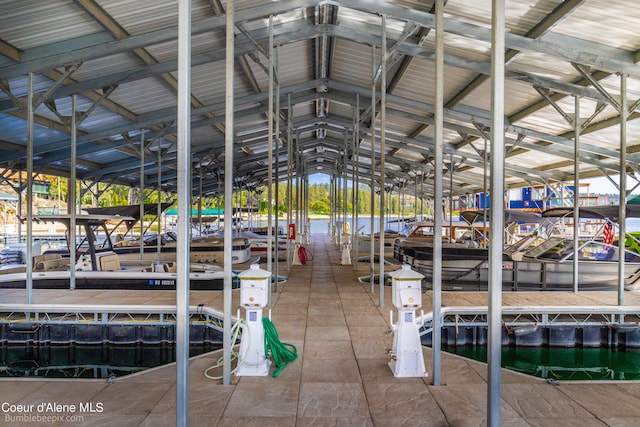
[340, 378]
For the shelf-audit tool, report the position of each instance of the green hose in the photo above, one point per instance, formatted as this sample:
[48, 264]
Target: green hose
[281, 352]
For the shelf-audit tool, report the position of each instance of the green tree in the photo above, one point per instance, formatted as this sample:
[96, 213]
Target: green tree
[320, 207]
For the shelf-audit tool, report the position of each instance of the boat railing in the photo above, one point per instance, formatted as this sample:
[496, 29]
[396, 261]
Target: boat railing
[621, 318]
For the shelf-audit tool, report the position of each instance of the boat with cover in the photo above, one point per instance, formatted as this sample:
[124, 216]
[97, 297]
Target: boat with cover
[97, 266]
[542, 260]
[389, 234]
[364, 242]
[471, 232]
[456, 235]
[204, 249]
[549, 258]
[259, 244]
[461, 252]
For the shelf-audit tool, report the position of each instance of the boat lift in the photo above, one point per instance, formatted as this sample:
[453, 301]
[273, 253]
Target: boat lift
[567, 326]
[38, 318]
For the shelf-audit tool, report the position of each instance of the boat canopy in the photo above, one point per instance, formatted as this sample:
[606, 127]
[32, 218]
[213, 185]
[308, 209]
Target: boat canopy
[610, 212]
[510, 216]
[128, 214]
[81, 220]
[132, 211]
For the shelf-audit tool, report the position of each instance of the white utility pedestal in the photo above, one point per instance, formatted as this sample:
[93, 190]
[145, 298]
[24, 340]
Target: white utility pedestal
[406, 354]
[346, 250]
[307, 231]
[254, 296]
[337, 232]
[296, 251]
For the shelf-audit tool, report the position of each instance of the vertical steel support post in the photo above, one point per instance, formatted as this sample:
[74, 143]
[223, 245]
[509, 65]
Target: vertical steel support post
[218, 198]
[356, 180]
[336, 190]
[184, 213]
[422, 195]
[452, 167]
[228, 189]
[270, 150]
[29, 255]
[345, 177]
[372, 248]
[331, 207]
[73, 248]
[485, 186]
[159, 208]
[306, 199]
[20, 189]
[200, 199]
[383, 126]
[494, 344]
[142, 195]
[622, 214]
[438, 189]
[298, 182]
[276, 116]
[401, 194]
[576, 191]
[332, 204]
[416, 193]
[289, 176]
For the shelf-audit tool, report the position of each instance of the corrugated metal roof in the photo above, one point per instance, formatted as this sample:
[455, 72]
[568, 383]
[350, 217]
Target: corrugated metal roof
[145, 95]
[609, 23]
[324, 65]
[30, 24]
[105, 66]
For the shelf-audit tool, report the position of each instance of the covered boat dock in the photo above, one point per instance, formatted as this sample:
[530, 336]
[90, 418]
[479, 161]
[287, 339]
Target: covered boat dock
[444, 98]
[340, 377]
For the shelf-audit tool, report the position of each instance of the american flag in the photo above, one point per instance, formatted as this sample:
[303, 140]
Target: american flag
[607, 233]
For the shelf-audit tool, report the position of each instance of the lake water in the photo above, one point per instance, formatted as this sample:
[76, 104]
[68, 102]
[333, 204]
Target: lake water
[87, 361]
[559, 363]
[321, 225]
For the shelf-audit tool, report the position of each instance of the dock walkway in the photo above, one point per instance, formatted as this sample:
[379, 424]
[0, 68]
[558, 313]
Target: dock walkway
[340, 378]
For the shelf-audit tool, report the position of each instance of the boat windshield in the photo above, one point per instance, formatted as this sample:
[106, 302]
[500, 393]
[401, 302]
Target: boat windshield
[592, 250]
[460, 231]
[420, 229]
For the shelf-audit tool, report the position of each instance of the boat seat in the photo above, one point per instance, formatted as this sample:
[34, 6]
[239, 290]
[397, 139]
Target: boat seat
[49, 262]
[110, 262]
[44, 257]
[11, 270]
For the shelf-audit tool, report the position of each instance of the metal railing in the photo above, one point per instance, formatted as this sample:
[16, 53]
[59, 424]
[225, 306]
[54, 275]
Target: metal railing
[542, 316]
[107, 314]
